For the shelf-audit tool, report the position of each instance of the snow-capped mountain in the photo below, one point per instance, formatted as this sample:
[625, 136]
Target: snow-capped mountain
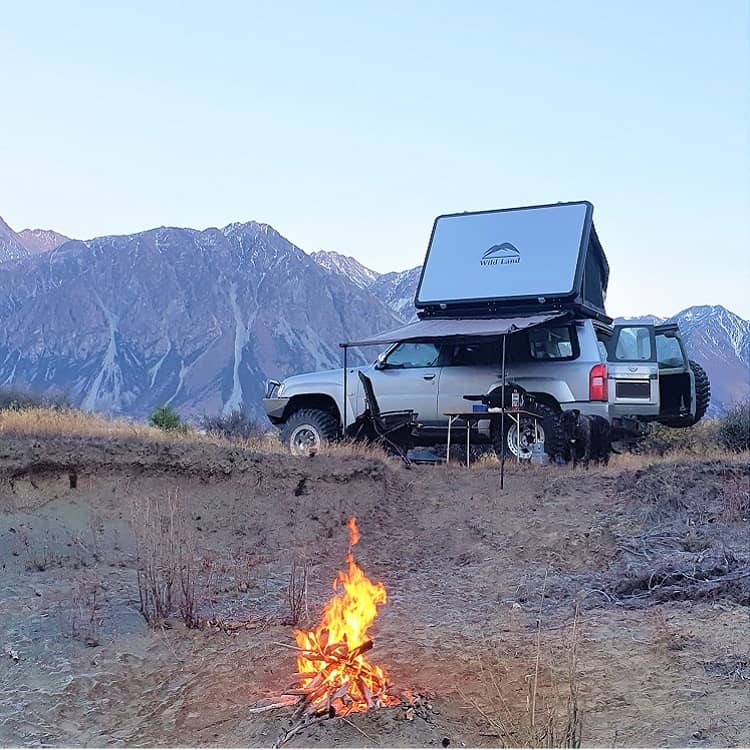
[398, 289]
[720, 341]
[395, 289]
[41, 240]
[195, 319]
[19, 245]
[346, 266]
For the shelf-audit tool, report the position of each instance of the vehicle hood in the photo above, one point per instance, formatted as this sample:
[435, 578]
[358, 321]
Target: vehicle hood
[335, 378]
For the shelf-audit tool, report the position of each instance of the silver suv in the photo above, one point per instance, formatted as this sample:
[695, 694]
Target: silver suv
[629, 374]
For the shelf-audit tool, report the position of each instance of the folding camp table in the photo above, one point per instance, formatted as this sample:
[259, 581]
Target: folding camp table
[473, 417]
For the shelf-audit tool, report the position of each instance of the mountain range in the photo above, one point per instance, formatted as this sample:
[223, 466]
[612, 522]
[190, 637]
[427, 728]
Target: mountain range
[199, 319]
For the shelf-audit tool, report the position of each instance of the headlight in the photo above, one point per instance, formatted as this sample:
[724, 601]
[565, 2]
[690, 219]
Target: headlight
[273, 389]
[279, 390]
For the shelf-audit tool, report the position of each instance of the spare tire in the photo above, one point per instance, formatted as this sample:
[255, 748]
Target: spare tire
[702, 390]
[307, 429]
[702, 399]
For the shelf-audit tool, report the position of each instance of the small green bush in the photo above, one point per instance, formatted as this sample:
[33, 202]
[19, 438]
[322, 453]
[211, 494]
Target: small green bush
[734, 428]
[234, 426]
[165, 418]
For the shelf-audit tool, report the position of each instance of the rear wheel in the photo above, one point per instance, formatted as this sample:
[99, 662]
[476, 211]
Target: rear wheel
[306, 430]
[518, 440]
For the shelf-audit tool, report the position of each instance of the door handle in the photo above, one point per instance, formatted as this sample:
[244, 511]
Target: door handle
[429, 377]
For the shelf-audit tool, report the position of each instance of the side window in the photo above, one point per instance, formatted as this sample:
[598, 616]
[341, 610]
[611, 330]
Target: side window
[552, 343]
[634, 344]
[668, 351]
[408, 355]
[483, 354]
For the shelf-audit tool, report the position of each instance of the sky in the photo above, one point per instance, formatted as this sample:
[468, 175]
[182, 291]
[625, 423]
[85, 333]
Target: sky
[350, 126]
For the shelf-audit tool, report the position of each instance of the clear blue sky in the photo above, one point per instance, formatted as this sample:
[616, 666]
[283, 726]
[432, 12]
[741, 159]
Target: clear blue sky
[350, 126]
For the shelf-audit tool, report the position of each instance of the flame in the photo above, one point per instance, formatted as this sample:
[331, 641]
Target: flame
[343, 638]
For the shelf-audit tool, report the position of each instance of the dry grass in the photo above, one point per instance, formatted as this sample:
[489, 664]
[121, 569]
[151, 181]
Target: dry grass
[71, 422]
[552, 716]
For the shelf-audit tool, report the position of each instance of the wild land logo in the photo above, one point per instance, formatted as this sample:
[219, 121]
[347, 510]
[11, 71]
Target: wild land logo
[501, 255]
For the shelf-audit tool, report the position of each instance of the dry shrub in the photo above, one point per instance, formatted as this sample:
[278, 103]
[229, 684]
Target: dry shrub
[79, 618]
[700, 439]
[296, 592]
[734, 428]
[167, 566]
[16, 399]
[236, 425]
[552, 716]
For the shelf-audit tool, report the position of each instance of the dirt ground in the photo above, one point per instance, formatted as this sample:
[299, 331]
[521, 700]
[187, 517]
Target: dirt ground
[656, 560]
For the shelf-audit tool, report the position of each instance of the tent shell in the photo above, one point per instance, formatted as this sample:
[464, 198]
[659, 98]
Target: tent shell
[586, 298]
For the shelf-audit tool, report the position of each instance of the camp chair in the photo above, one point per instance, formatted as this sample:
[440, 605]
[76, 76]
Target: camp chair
[391, 429]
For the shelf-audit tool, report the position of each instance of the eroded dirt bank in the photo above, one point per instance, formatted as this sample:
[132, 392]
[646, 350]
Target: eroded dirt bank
[655, 559]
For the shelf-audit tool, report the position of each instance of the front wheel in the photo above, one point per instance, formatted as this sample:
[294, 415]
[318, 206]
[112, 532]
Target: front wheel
[306, 430]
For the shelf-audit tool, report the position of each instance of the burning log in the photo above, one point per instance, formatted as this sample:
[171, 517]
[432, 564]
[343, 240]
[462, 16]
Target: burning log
[334, 676]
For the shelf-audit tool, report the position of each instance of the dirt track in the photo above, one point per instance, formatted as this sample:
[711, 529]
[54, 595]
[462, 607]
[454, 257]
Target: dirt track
[665, 662]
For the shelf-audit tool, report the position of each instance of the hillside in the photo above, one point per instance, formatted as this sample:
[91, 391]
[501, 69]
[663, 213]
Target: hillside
[195, 319]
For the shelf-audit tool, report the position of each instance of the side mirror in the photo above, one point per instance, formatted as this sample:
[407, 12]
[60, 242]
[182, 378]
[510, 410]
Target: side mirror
[380, 362]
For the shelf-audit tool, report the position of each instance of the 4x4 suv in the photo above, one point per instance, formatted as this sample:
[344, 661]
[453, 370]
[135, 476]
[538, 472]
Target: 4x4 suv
[629, 374]
[538, 274]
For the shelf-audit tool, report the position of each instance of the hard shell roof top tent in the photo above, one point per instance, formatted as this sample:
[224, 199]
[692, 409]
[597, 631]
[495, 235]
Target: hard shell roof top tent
[513, 261]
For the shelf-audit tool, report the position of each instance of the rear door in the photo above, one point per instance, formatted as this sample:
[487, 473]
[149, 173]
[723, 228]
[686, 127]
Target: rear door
[469, 368]
[676, 378]
[633, 371]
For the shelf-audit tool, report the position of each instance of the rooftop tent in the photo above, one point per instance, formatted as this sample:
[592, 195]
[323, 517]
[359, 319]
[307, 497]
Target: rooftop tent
[454, 329]
[517, 260]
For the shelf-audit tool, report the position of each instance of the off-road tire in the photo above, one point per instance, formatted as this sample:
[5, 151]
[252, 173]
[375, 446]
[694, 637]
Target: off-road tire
[550, 424]
[702, 398]
[307, 429]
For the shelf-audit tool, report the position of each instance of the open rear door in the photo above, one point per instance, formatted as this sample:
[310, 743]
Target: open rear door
[633, 371]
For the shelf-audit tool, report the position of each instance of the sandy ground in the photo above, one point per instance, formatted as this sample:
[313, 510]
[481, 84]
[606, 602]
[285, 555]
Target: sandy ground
[662, 660]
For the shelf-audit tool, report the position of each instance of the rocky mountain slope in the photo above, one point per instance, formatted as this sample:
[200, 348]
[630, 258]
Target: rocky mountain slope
[346, 266]
[195, 319]
[200, 319]
[11, 245]
[41, 240]
[19, 245]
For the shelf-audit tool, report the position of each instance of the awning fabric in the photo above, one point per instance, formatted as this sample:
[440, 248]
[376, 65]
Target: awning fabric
[453, 329]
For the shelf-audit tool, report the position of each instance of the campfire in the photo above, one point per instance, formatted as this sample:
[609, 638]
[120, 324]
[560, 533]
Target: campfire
[334, 675]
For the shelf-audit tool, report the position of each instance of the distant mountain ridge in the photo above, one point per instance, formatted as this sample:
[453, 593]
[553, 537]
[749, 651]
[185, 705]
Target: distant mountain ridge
[199, 319]
[19, 245]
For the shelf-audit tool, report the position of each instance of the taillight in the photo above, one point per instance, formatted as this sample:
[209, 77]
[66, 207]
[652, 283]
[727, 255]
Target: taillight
[598, 383]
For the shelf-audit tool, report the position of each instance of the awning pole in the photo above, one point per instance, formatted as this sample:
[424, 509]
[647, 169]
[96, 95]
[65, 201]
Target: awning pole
[502, 422]
[343, 427]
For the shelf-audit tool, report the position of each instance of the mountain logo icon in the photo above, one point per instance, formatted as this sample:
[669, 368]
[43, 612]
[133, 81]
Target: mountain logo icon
[501, 255]
[505, 250]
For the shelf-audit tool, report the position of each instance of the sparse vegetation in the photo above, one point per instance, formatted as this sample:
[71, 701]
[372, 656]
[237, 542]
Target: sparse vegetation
[165, 418]
[166, 567]
[236, 425]
[79, 618]
[734, 428]
[16, 399]
[296, 592]
[552, 716]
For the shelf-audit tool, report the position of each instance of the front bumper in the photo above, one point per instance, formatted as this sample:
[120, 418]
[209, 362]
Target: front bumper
[275, 408]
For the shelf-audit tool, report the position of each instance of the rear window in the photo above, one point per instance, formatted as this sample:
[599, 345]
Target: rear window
[669, 351]
[557, 342]
[483, 354]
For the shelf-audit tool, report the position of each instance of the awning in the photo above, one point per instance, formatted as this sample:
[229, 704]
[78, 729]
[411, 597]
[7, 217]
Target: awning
[454, 329]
